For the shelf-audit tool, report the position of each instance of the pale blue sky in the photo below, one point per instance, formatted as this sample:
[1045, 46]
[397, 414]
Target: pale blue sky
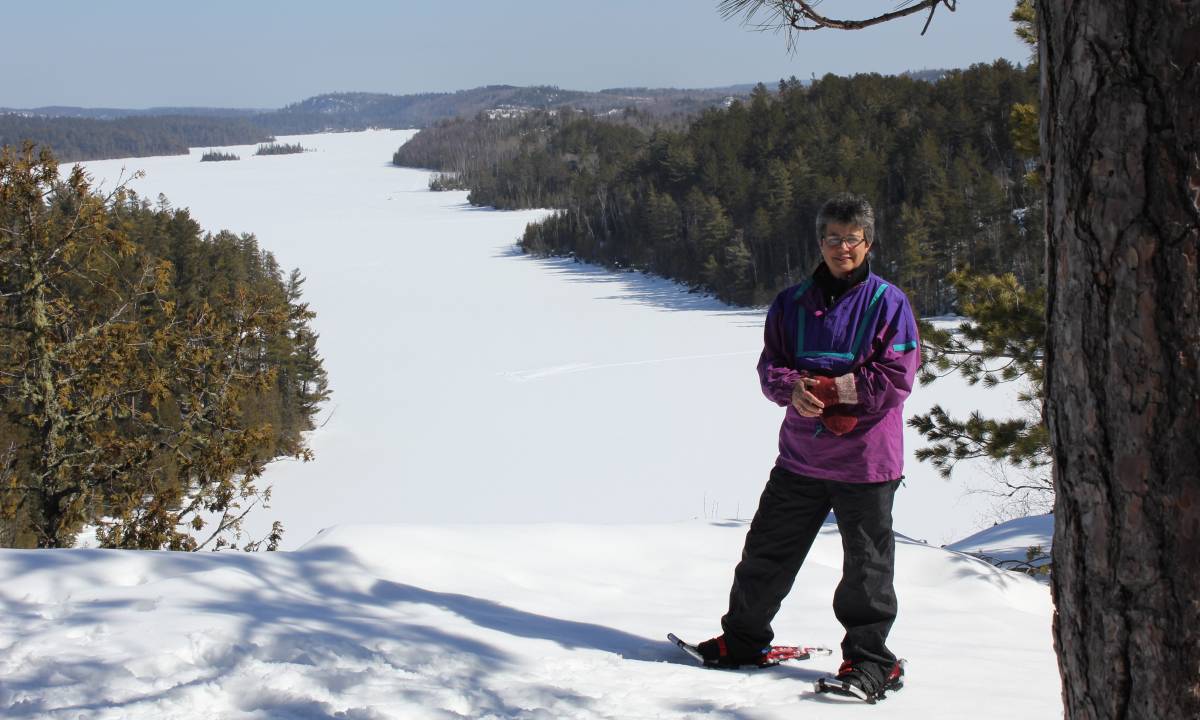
[267, 53]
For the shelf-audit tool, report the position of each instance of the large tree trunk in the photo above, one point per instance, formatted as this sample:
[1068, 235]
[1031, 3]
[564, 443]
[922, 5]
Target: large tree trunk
[1120, 125]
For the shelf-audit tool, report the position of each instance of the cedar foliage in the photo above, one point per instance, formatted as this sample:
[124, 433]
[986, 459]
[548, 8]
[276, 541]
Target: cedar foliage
[148, 371]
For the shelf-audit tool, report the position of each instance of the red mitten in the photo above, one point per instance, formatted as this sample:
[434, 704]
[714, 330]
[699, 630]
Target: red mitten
[837, 423]
[839, 390]
[835, 393]
[824, 389]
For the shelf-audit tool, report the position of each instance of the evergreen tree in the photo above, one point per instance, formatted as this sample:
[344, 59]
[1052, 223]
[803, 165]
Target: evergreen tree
[309, 384]
[139, 367]
[1002, 340]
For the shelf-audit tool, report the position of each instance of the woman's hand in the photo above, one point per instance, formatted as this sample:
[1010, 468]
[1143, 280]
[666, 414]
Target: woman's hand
[804, 401]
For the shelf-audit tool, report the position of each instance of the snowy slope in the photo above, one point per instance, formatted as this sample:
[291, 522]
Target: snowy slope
[1010, 540]
[509, 621]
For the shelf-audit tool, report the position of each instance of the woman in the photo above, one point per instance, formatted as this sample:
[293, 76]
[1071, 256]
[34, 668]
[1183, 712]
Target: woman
[840, 353]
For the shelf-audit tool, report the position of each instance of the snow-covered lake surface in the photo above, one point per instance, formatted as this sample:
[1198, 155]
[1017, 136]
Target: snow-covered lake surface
[474, 384]
[528, 472]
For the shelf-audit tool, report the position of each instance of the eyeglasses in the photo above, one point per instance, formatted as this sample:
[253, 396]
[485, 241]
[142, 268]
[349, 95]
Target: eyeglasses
[851, 241]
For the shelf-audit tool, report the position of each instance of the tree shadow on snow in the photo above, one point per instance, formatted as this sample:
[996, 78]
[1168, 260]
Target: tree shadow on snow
[468, 207]
[968, 566]
[636, 287]
[312, 634]
[98, 676]
[319, 629]
[495, 616]
[709, 710]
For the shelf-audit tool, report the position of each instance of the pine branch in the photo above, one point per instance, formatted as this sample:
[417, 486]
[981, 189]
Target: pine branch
[799, 15]
[227, 524]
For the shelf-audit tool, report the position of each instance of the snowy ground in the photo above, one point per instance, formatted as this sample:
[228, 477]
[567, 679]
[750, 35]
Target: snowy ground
[524, 461]
[473, 621]
[1010, 542]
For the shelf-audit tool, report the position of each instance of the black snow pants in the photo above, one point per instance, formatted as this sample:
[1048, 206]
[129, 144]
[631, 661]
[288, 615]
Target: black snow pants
[789, 516]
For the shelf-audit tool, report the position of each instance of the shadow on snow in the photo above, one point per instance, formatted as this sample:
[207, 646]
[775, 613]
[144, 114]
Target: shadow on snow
[637, 287]
[317, 614]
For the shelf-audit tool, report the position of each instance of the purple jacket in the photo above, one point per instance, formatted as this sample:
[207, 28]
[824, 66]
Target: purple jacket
[870, 334]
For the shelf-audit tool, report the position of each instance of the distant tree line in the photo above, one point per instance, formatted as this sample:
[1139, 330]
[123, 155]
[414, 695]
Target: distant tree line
[75, 139]
[279, 149]
[441, 181]
[217, 156]
[532, 159]
[728, 202]
[149, 370]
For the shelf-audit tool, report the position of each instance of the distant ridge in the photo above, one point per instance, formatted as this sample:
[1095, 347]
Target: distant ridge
[927, 74]
[70, 111]
[359, 110]
[76, 133]
[79, 133]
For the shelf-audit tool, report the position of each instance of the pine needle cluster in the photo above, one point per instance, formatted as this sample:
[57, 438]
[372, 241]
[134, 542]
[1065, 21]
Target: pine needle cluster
[1001, 340]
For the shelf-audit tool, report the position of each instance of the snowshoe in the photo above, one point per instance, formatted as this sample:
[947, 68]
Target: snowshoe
[858, 683]
[715, 654]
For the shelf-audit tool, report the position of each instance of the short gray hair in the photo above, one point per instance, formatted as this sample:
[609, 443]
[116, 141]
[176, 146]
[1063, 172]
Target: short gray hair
[847, 209]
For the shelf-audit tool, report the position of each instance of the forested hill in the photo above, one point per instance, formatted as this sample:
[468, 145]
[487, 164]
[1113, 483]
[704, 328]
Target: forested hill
[86, 138]
[90, 134]
[728, 202]
[353, 111]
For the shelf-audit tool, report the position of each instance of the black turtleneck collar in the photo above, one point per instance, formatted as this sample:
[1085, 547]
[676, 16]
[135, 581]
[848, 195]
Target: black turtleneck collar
[833, 288]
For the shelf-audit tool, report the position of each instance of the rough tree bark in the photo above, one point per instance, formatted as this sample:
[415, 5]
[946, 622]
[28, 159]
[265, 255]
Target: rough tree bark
[1120, 124]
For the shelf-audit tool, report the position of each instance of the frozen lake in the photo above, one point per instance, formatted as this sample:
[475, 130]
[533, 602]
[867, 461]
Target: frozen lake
[474, 384]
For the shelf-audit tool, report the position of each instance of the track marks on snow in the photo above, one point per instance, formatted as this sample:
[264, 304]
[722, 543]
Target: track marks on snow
[522, 376]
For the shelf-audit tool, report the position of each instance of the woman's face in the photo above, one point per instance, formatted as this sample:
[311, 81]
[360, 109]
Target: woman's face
[840, 257]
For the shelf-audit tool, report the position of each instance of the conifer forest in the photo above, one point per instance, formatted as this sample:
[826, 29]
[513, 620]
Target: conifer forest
[727, 202]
